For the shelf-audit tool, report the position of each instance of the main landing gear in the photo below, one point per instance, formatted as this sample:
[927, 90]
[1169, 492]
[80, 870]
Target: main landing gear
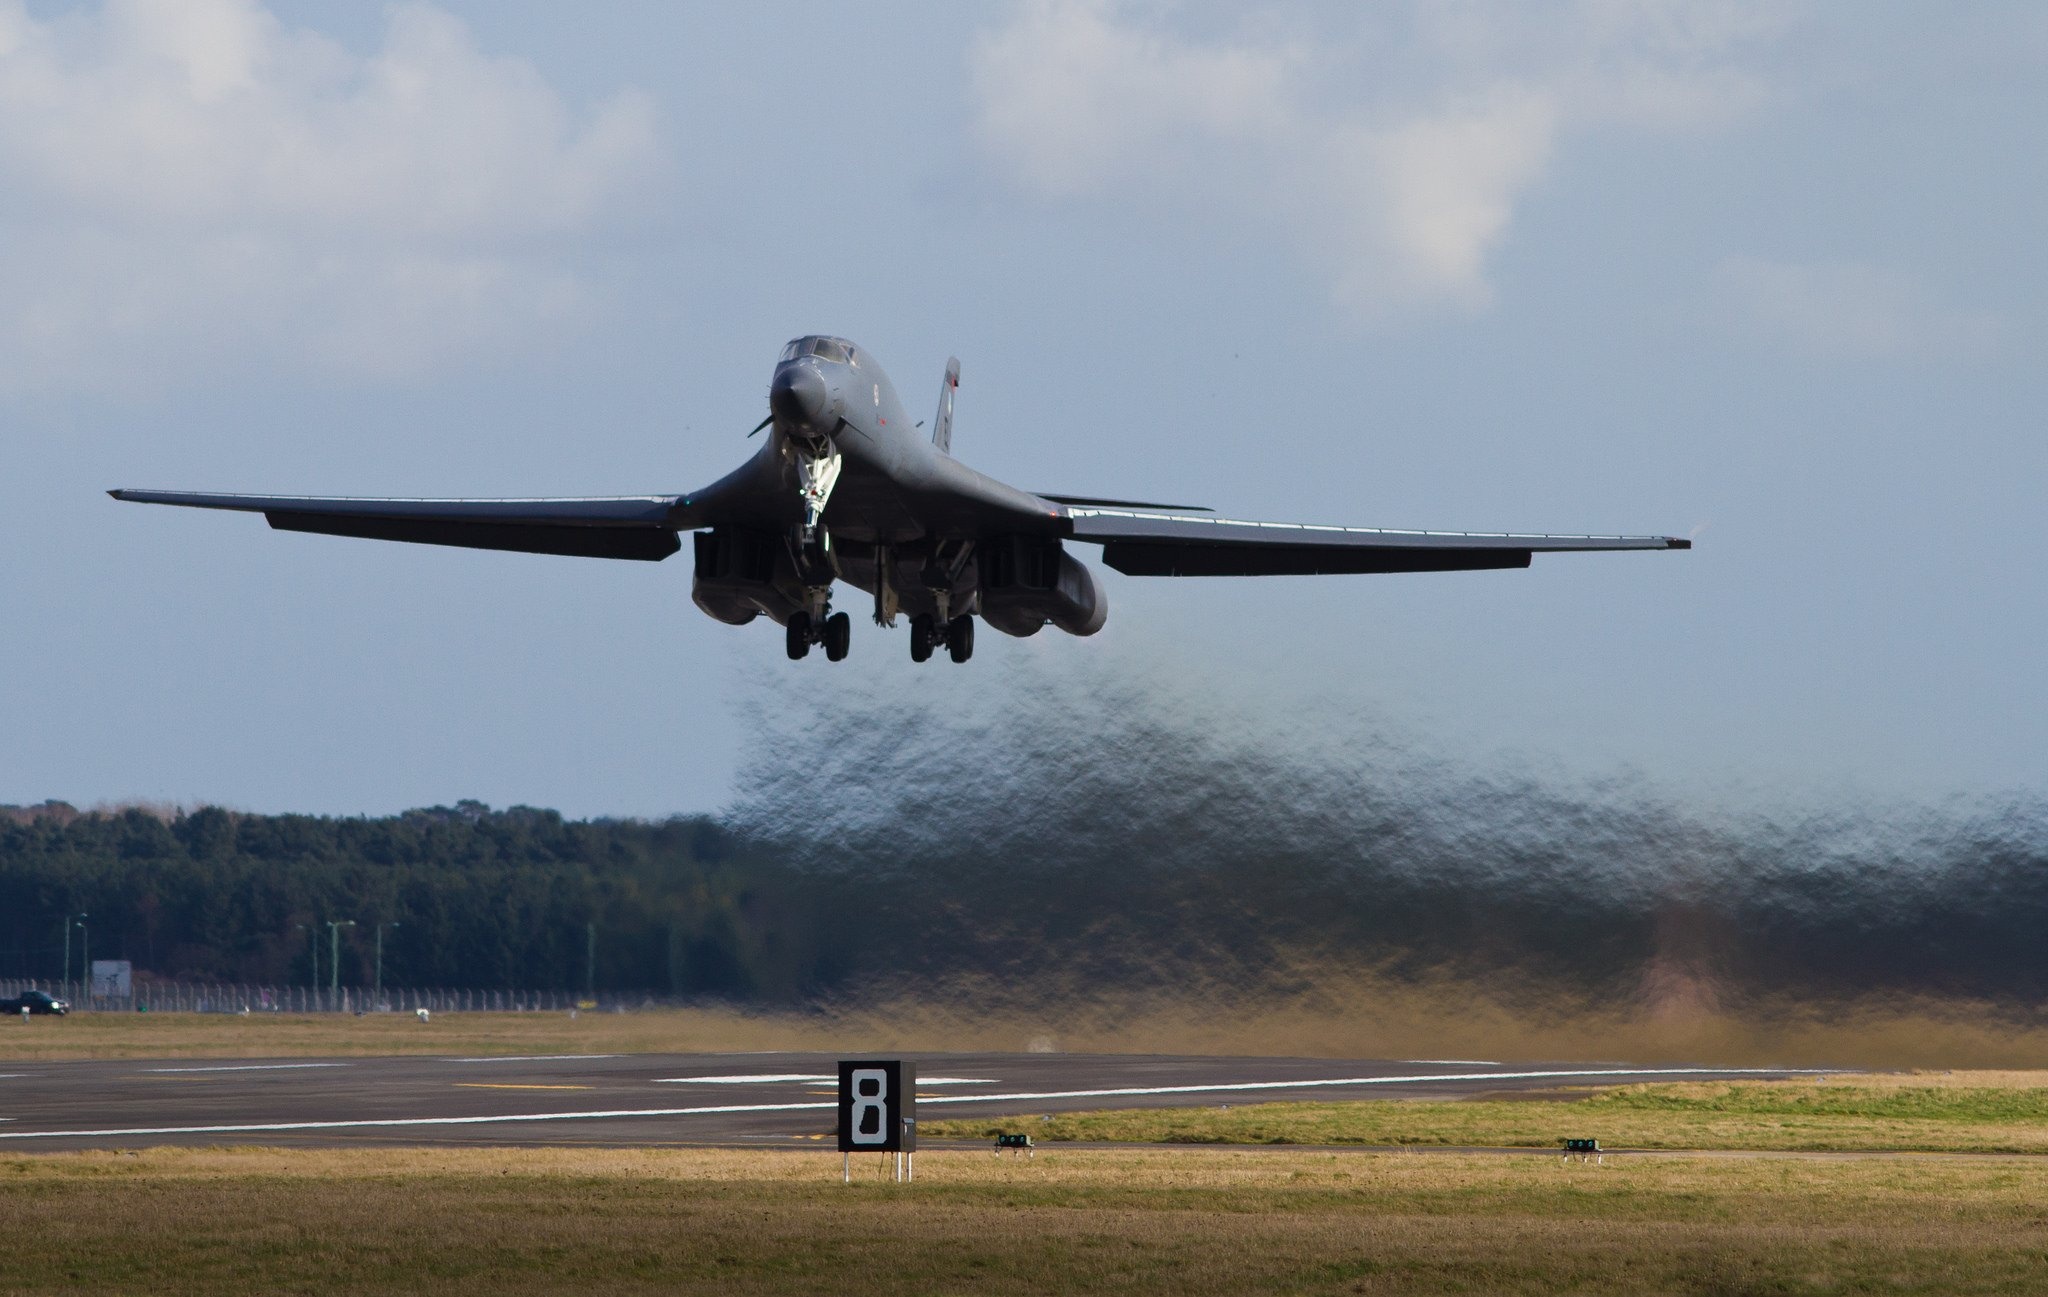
[926, 634]
[836, 634]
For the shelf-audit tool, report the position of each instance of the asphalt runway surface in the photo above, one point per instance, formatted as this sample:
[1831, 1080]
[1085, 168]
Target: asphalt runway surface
[747, 1100]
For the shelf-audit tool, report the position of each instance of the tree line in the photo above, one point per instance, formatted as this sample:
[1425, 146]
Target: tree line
[465, 896]
[1149, 876]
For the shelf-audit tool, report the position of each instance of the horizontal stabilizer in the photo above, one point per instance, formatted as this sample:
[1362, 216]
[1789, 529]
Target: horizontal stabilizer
[1093, 502]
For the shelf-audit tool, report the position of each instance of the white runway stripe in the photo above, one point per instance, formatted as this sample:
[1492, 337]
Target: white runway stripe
[956, 1080]
[389, 1122]
[764, 1078]
[386, 1123]
[527, 1058]
[247, 1067]
[770, 1078]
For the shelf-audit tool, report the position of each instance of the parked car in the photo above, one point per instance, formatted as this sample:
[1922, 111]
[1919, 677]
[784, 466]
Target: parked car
[34, 1002]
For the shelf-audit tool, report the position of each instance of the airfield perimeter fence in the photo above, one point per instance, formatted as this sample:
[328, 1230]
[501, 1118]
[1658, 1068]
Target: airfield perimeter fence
[226, 997]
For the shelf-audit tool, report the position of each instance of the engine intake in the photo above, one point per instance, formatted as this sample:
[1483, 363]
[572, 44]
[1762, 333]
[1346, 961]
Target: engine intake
[739, 575]
[1027, 582]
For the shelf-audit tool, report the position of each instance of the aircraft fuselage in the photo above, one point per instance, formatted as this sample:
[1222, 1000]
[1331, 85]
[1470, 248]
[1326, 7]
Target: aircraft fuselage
[902, 519]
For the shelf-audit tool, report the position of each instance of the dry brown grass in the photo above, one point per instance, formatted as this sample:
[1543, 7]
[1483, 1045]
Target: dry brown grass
[1958, 1112]
[507, 1222]
[1351, 1017]
[1917, 1079]
[197, 1035]
[1984, 1111]
[1352, 1014]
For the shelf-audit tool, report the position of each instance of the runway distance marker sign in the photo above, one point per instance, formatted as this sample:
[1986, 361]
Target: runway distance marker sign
[877, 1106]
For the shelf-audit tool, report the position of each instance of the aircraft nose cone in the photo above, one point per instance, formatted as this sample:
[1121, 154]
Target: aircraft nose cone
[798, 396]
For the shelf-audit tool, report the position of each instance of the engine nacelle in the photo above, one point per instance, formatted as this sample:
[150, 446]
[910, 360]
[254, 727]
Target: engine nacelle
[1027, 582]
[741, 574]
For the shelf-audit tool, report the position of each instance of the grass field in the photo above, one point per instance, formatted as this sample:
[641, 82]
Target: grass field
[1358, 1017]
[1187, 1221]
[1975, 1112]
[327, 1035]
[1192, 1220]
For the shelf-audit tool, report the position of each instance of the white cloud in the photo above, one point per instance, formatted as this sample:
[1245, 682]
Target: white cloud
[187, 184]
[1851, 311]
[1071, 95]
[1391, 148]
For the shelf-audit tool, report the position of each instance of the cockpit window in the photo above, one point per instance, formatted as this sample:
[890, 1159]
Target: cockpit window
[823, 348]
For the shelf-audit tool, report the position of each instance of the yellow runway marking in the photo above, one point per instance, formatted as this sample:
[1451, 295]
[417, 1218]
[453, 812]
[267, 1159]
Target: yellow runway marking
[501, 1085]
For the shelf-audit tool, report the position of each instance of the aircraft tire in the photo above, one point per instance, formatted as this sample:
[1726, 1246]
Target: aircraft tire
[960, 638]
[797, 635]
[924, 634]
[838, 636]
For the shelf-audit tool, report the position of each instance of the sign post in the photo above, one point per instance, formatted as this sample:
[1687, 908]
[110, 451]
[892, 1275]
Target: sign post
[878, 1113]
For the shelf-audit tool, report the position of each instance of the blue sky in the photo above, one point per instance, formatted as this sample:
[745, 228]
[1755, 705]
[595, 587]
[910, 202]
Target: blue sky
[1768, 274]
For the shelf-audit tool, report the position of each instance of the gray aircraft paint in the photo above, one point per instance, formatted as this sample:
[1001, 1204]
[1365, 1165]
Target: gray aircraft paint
[897, 517]
[942, 425]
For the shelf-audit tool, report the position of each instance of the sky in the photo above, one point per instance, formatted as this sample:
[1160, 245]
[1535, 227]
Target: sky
[1767, 275]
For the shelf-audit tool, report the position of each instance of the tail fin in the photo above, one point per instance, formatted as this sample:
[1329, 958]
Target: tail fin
[942, 427]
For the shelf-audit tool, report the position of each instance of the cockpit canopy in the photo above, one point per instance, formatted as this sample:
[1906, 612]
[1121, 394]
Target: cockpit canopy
[838, 350]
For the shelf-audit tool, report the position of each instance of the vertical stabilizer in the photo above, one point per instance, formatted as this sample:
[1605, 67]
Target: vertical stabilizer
[942, 427]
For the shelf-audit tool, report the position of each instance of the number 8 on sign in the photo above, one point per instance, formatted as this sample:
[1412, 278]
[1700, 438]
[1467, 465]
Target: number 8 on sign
[877, 1105]
[870, 1115]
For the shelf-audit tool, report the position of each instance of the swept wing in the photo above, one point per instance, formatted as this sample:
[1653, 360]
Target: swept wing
[1179, 544]
[624, 526]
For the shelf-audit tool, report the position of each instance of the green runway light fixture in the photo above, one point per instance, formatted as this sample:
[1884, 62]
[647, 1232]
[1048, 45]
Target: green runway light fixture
[1585, 1149]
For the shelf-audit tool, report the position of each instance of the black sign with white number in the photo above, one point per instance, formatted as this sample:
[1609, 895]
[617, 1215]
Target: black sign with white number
[878, 1107]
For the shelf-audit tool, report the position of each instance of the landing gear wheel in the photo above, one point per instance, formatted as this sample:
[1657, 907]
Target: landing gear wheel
[797, 635]
[838, 636]
[960, 638]
[924, 634]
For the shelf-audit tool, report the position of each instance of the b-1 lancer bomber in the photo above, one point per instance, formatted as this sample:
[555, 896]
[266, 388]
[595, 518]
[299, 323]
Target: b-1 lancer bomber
[847, 488]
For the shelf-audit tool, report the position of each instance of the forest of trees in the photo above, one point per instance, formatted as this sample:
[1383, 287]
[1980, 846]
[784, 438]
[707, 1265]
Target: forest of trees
[481, 898]
[1160, 872]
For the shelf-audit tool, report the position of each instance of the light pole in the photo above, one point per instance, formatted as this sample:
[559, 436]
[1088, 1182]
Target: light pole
[69, 919]
[85, 957]
[590, 963]
[334, 927]
[379, 988]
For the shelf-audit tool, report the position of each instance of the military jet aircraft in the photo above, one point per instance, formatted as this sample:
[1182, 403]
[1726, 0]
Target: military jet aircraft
[847, 488]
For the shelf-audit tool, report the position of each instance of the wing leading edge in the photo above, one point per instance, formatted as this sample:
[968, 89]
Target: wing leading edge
[630, 526]
[1155, 544]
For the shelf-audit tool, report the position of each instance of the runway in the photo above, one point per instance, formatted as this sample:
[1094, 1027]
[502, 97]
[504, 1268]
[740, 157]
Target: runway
[755, 1100]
